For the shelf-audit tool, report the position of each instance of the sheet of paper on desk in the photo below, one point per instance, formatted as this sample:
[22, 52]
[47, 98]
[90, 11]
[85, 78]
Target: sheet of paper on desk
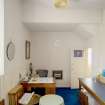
[42, 80]
[26, 98]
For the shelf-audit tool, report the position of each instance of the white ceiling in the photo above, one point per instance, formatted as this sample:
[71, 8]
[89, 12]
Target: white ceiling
[86, 31]
[88, 4]
[51, 27]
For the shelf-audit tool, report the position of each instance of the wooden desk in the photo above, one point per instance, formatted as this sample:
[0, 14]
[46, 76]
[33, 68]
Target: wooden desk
[44, 82]
[95, 88]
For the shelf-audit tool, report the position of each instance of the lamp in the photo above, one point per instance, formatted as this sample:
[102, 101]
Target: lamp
[60, 3]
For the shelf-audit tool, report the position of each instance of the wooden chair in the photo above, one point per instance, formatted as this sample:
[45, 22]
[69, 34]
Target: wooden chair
[1, 101]
[17, 93]
[83, 98]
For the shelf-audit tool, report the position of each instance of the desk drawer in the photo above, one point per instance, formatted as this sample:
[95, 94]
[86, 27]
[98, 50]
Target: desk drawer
[42, 85]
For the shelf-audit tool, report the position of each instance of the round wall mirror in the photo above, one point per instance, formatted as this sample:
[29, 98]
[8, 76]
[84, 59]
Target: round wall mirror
[10, 51]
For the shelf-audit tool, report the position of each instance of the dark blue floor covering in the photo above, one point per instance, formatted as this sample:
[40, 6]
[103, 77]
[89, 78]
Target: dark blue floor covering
[70, 96]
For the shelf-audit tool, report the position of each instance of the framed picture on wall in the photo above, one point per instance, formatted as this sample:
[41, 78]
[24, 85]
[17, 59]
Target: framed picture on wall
[78, 53]
[58, 74]
[27, 49]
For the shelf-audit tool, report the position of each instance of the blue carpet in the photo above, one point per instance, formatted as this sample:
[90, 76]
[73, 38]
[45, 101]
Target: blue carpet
[70, 96]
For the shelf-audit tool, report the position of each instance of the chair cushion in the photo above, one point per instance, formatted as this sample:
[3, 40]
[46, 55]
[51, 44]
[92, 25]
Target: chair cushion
[51, 100]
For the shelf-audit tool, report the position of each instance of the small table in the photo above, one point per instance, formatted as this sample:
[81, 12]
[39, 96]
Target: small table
[95, 88]
[51, 100]
[41, 82]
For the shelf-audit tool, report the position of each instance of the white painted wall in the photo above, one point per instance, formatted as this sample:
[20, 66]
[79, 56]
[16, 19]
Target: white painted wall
[51, 50]
[15, 32]
[1, 37]
[97, 43]
[1, 40]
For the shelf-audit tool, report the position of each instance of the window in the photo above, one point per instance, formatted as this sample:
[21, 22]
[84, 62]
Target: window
[1, 37]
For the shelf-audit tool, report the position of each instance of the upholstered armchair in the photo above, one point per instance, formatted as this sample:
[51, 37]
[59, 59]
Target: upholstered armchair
[18, 97]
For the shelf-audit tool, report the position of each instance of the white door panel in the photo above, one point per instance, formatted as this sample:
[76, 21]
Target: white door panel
[79, 67]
